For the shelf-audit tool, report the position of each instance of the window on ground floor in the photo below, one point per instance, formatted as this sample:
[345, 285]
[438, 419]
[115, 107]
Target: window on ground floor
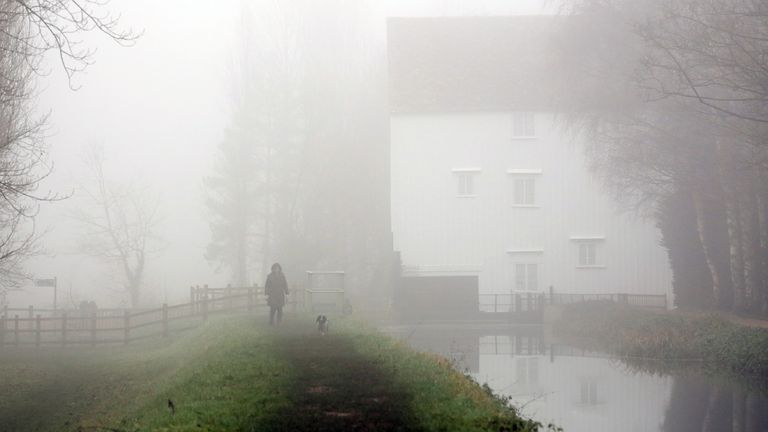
[526, 277]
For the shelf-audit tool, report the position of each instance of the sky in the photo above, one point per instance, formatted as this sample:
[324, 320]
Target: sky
[159, 109]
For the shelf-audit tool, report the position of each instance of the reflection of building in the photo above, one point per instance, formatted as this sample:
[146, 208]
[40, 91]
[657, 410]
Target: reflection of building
[484, 184]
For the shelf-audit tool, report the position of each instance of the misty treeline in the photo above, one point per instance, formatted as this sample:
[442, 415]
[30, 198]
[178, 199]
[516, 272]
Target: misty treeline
[119, 225]
[29, 29]
[672, 96]
[301, 175]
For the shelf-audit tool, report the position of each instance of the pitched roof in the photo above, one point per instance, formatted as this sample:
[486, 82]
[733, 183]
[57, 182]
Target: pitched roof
[470, 64]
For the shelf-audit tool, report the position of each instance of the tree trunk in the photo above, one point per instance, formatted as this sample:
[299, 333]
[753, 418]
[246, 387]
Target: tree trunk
[762, 223]
[733, 221]
[731, 200]
[701, 227]
[749, 248]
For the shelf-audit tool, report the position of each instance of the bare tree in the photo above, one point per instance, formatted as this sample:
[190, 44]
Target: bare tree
[121, 226]
[28, 30]
[686, 112]
[40, 26]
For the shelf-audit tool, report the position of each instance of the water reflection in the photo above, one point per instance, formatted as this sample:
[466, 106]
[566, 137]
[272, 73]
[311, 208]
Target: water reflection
[590, 391]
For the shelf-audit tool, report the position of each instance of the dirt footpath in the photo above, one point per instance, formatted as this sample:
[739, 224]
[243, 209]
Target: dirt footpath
[336, 388]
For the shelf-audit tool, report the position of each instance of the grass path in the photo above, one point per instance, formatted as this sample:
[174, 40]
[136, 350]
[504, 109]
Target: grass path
[238, 374]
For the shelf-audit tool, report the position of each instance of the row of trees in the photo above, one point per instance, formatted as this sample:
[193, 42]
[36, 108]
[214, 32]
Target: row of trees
[672, 96]
[300, 178]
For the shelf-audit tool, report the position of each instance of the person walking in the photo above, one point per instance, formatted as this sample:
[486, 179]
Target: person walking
[276, 289]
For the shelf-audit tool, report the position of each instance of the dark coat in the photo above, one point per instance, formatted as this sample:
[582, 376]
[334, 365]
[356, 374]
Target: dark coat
[276, 288]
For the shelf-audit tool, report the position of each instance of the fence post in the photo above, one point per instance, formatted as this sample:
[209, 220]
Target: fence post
[37, 331]
[2, 330]
[16, 329]
[204, 305]
[93, 328]
[165, 319]
[551, 295]
[30, 316]
[495, 303]
[64, 329]
[192, 297]
[126, 326]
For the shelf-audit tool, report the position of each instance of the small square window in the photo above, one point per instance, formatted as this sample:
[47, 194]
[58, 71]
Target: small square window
[523, 125]
[587, 253]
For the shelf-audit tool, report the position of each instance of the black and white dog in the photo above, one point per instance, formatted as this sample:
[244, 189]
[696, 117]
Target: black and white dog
[322, 324]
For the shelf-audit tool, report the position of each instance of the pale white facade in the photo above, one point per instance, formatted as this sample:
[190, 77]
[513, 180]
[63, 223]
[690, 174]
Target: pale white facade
[508, 197]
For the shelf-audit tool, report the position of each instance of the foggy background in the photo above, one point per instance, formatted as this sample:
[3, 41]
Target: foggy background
[159, 110]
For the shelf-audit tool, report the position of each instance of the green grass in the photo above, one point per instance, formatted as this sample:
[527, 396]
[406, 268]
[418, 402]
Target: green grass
[239, 374]
[634, 332]
[442, 399]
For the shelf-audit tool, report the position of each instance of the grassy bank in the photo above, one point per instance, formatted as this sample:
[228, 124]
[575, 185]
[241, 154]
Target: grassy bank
[633, 332]
[237, 374]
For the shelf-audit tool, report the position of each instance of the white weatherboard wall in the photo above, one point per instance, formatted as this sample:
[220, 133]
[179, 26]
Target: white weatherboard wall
[439, 231]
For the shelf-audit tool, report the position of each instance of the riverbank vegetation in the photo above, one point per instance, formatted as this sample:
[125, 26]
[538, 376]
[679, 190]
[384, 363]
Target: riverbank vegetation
[237, 374]
[708, 338]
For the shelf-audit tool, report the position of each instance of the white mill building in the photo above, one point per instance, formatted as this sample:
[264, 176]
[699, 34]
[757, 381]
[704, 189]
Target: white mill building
[488, 195]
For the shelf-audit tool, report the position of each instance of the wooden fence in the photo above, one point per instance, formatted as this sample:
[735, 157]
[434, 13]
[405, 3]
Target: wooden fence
[529, 302]
[70, 327]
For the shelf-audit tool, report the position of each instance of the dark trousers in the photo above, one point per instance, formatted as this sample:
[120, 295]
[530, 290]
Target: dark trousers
[275, 310]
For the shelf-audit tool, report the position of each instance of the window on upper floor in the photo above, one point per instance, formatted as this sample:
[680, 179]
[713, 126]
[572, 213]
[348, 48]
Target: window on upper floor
[466, 181]
[466, 185]
[588, 250]
[524, 191]
[523, 125]
[587, 253]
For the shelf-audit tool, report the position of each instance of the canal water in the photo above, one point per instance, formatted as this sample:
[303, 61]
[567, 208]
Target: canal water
[587, 391]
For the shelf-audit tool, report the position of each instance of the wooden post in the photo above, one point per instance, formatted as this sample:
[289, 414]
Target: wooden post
[495, 303]
[192, 297]
[15, 329]
[2, 330]
[126, 326]
[37, 331]
[204, 305]
[93, 328]
[64, 329]
[551, 295]
[165, 319]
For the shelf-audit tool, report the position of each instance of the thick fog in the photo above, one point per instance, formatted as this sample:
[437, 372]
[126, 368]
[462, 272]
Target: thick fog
[158, 111]
[566, 201]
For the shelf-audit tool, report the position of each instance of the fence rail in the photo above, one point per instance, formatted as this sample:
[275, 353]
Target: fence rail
[25, 327]
[529, 302]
